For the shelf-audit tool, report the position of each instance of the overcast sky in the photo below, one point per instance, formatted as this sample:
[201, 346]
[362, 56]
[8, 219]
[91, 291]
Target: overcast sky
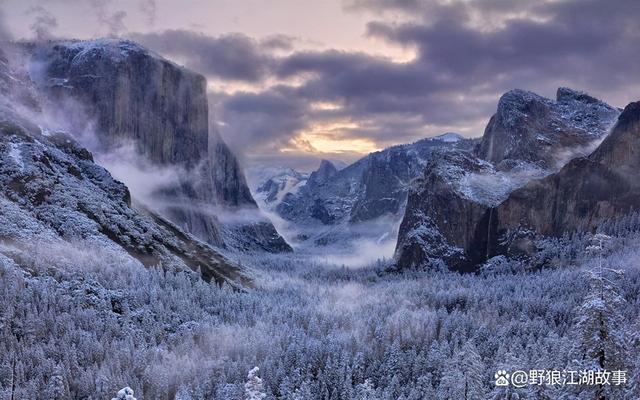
[293, 81]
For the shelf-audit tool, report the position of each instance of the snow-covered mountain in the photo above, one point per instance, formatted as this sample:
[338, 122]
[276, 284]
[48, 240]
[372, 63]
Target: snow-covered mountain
[274, 184]
[580, 197]
[372, 187]
[54, 198]
[532, 128]
[451, 209]
[363, 201]
[122, 96]
[450, 137]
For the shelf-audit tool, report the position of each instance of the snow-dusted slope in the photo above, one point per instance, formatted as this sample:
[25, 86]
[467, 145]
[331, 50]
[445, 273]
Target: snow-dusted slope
[125, 95]
[373, 187]
[450, 137]
[54, 196]
[449, 213]
[274, 184]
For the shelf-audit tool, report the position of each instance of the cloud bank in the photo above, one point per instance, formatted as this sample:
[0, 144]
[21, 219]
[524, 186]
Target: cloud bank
[273, 97]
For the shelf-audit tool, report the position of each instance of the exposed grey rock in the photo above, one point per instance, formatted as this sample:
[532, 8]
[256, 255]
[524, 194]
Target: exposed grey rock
[528, 127]
[53, 194]
[131, 94]
[451, 212]
[324, 173]
[370, 188]
[433, 225]
[135, 95]
[583, 194]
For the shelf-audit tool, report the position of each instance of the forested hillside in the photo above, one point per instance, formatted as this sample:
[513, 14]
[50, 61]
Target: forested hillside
[74, 324]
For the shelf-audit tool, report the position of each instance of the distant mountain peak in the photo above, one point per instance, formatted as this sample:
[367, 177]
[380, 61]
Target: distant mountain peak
[449, 137]
[326, 164]
[325, 171]
[631, 113]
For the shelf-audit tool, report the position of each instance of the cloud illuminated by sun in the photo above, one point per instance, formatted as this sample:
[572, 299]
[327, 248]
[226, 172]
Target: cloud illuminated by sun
[331, 138]
[325, 106]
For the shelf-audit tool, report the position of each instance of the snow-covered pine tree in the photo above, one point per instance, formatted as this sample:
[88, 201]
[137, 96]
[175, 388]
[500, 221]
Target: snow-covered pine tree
[601, 340]
[303, 392]
[366, 391]
[57, 389]
[183, 394]
[473, 370]
[124, 394]
[463, 376]
[253, 389]
[633, 389]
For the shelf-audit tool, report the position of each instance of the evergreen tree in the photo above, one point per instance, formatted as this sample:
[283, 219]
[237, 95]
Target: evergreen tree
[183, 394]
[601, 343]
[124, 394]
[57, 389]
[366, 391]
[253, 389]
[462, 378]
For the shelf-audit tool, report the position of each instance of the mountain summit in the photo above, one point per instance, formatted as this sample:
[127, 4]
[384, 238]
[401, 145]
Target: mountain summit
[55, 201]
[528, 127]
[465, 203]
[129, 95]
[581, 196]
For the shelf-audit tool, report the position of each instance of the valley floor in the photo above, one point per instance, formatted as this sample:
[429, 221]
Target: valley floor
[85, 326]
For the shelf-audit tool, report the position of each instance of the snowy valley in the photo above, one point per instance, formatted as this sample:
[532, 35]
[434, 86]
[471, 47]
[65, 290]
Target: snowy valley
[133, 253]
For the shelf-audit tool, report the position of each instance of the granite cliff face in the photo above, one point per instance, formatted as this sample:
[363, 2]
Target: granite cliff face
[528, 127]
[54, 197]
[434, 224]
[451, 211]
[134, 96]
[229, 183]
[370, 188]
[323, 174]
[130, 94]
[579, 197]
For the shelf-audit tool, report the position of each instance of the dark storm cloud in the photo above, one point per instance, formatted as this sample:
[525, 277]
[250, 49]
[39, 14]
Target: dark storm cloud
[263, 119]
[278, 42]
[468, 54]
[436, 10]
[354, 78]
[233, 56]
[577, 40]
